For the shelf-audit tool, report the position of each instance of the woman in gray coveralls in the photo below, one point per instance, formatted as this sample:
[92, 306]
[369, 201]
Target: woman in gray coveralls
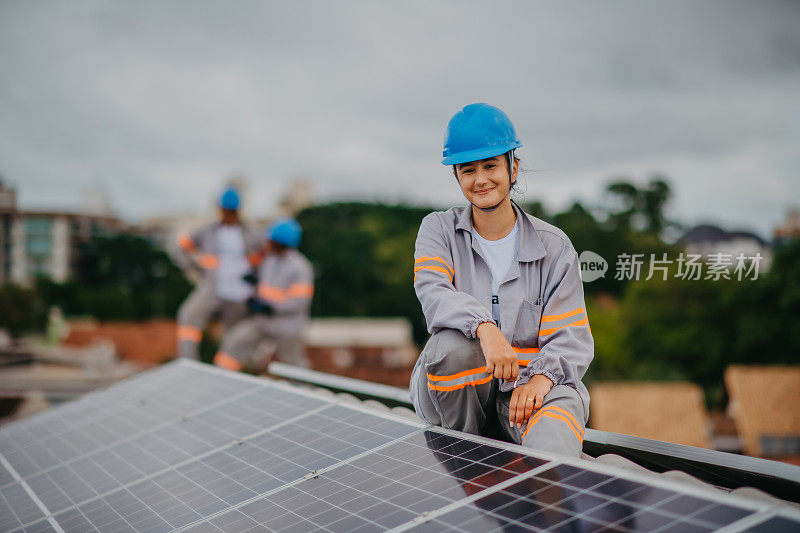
[502, 297]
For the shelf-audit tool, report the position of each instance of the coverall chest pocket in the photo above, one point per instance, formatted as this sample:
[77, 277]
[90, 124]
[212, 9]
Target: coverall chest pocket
[526, 332]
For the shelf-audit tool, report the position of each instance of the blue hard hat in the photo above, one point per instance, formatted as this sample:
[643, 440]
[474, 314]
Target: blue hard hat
[476, 132]
[285, 231]
[229, 199]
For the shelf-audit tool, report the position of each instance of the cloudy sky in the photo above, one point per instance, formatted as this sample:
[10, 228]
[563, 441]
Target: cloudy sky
[157, 102]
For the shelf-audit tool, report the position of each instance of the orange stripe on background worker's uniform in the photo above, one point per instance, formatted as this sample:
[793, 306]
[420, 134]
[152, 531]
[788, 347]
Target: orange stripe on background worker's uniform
[224, 360]
[186, 243]
[199, 250]
[271, 293]
[189, 333]
[209, 261]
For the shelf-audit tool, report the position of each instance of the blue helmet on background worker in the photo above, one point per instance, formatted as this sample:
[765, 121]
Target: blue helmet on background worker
[229, 199]
[285, 231]
[478, 131]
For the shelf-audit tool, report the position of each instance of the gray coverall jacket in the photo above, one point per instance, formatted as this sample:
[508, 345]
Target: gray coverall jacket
[199, 249]
[286, 283]
[542, 309]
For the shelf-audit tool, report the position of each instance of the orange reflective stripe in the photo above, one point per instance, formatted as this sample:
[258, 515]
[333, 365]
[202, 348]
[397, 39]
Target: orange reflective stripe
[300, 290]
[224, 360]
[461, 385]
[209, 261]
[459, 375]
[553, 318]
[267, 292]
[439, 259]
[535, 418]
[553, 411]
[436, 268]
[472, 371]
[556, 416]
[568, 415]
[189, 333]
[277, 294]
[524, 362]
[186, 242]
[582, 322]
[526, 350]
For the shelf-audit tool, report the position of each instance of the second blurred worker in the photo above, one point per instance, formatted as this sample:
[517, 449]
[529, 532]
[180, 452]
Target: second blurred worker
[223, 252]
[281, 306]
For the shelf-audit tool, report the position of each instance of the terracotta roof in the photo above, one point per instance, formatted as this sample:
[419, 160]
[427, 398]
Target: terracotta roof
[672, 412]
[764, 401]
[153, 342]
[149, 342]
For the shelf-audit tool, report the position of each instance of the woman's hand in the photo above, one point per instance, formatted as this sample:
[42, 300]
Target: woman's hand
[527, 399]
[501, 359]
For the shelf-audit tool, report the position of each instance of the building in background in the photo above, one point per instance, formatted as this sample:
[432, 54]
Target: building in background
[789, 229]
[48, 244]
[707, 240]
[298, 196]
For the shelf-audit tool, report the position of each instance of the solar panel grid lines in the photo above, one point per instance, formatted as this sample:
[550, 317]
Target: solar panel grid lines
[110, 420]
[60, 420]
[19, 502]
[68, 501]
[373, 423]
[136, 455]
[310, 475]
[698, 509]
[381, 488]
[775, 519]
[555, 506]
[264, 454]
[429, 515]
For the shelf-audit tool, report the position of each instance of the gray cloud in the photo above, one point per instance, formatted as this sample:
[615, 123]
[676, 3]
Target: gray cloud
[158, 102]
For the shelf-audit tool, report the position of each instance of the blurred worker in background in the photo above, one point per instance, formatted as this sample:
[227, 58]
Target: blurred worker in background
[281, 306]
[219, 254]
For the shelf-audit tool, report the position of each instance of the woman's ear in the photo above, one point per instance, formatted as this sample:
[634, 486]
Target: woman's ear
[516, 170]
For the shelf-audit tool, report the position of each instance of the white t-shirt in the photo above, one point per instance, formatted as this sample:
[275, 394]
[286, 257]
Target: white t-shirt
[500, 255]
[233, 264]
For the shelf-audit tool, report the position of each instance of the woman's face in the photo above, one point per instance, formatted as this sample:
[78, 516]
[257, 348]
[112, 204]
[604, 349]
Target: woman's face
[485, 183]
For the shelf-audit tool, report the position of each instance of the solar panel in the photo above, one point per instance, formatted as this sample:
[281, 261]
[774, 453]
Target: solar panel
[189, 447]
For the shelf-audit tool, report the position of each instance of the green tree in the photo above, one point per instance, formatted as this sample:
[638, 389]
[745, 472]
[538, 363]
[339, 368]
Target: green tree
[639, 209]
[363, 256]
[21, 310]
[694, 329]
[120, 278]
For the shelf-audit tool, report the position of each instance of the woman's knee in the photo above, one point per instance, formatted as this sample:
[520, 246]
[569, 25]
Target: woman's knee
[452, 350]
